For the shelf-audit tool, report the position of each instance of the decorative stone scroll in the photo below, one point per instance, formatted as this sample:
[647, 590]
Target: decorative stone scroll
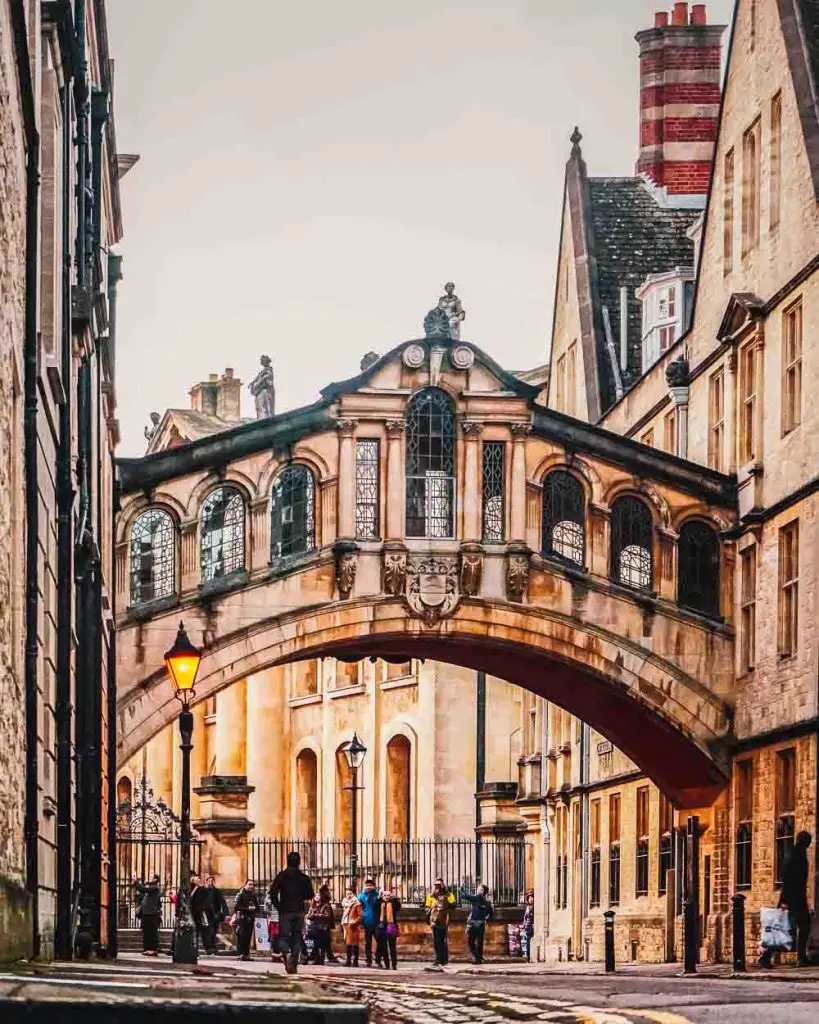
[462, 357]
[471, 570]
[346, 555]
[432, 587]
[395, 572]
[517, 574]
[414, 356]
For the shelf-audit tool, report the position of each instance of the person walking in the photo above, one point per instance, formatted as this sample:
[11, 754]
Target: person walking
[527, 928]
[198, 900]
[320, 923]
[215, 912]
[351, 912]
[245, 908]
[291, 894]
[480, 911]
[386, 953]
[793, 897]
[148, 912]
[370, 916]
[439, 905]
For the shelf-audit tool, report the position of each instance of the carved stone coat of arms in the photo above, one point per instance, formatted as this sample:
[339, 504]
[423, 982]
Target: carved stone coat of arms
[432, 587]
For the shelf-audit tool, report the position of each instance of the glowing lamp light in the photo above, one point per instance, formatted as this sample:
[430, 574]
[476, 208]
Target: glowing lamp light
[355, 752]
[182, 662]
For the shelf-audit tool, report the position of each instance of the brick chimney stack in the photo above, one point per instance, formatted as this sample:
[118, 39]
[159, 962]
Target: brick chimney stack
[218, 396]
[679, 99]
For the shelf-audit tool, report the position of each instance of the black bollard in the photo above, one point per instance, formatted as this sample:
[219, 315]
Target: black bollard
[691, 907]
[738, 902]
[609, 919]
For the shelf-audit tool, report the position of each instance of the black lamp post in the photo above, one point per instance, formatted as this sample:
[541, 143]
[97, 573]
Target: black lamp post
[355, 752]
[182, 662]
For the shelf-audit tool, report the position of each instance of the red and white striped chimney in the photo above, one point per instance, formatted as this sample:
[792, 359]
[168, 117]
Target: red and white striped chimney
[679, 99]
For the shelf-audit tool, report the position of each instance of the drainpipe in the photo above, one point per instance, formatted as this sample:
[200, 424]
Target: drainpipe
[65, 504]
[585, 744]
[30, 359]
[480, 765]
[545, 900]
[624, 329]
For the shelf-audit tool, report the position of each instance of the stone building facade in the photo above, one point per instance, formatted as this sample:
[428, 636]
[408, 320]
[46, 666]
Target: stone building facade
[729, 388]
[60, 221]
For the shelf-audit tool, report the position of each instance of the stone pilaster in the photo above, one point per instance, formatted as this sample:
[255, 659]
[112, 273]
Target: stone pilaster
[189, 556]
[520, 431]
[395, 479]
[346, 479]
[259, 546]
[472, 489]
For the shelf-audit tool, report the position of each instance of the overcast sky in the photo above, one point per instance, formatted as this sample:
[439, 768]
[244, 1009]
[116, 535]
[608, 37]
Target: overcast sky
[312, 171]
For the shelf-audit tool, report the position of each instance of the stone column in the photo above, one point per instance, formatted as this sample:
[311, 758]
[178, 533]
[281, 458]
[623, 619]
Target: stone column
[189, 557]
[268, 751]
[346, 479]
[223, 797]
[395, 480]
[159, 758]
[520, 431]
[472, 490]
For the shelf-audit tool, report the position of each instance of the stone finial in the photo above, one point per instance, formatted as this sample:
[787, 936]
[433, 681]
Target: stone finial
[368, 360]
[676, 373]
[263, 389]
[436, 324]
[575, 139]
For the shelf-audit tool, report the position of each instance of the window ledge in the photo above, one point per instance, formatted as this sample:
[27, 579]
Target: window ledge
[147, 610]
[308, 698]
[224, 584]
[286, 564]
[347, 691]
[399, 684]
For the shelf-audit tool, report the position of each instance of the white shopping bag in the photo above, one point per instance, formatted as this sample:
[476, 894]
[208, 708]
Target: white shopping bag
[776, 929]
[262, 936]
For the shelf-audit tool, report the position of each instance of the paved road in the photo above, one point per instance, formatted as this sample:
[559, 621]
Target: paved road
[424, 998]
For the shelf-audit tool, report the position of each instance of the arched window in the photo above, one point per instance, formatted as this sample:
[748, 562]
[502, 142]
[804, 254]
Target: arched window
[564, 516]
[307, 795]
[631, 536]
[292, 513]
[698, 568]
[223, 534]
[399, 788]
[430, 465]
[153, 556]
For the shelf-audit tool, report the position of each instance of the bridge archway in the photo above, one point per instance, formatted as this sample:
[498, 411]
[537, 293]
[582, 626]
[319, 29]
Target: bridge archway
[666, 721]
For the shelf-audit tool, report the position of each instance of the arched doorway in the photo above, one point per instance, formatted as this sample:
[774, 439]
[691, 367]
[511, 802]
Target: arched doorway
[307, 795]
[399, 788]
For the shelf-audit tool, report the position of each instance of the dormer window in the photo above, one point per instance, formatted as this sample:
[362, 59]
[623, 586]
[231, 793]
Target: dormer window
[665, 298]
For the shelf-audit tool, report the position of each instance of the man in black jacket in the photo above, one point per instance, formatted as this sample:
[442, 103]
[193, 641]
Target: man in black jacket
[245, 907]
[291, 894]
[794, 898]
[480, 911]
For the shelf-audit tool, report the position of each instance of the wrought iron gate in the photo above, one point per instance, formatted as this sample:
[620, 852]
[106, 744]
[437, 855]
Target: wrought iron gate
[149, 843]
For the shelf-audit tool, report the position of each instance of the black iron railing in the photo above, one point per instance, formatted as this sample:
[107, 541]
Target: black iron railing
[140, 859]
[411, 865]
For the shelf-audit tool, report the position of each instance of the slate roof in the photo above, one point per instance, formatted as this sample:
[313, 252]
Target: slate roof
[630, 237]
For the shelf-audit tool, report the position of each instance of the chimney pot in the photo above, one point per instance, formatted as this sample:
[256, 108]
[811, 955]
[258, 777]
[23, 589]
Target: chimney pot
[213, 377]
[661, 19]
[699, 15]
[679, 15]
[229, 372]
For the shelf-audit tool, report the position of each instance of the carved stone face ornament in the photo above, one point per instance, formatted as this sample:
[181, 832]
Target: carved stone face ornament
[517, 577]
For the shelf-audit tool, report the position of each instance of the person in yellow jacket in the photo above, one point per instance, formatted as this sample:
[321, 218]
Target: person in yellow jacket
[439, 904]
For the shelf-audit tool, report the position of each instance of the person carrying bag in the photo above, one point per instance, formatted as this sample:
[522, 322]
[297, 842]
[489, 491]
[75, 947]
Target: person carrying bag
[386, 952]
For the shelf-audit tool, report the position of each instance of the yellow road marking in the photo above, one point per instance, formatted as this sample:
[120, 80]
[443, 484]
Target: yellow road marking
[659, 1016]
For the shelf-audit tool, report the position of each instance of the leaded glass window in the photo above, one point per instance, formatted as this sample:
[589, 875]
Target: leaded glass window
[631, 535]
[430, 468]
[223, 534]
[367, 470]
[564, 516]
[698, 561]
[292, 513]
[153, 556]
[494, 461]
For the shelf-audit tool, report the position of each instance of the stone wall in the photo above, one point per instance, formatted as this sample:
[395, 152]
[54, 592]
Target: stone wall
[14, 907]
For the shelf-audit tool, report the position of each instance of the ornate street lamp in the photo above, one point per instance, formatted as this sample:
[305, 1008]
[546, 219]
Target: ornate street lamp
[355, 751]
[182, 662]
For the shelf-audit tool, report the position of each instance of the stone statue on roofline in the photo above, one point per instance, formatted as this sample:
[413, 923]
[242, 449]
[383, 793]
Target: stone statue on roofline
[263, 389]
[450, 306]
[150, 432]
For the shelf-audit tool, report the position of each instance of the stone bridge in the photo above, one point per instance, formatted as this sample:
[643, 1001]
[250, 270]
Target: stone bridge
[431, 508]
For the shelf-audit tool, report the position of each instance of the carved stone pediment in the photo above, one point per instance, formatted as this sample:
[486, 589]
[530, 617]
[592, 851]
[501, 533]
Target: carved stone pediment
[432, 586]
